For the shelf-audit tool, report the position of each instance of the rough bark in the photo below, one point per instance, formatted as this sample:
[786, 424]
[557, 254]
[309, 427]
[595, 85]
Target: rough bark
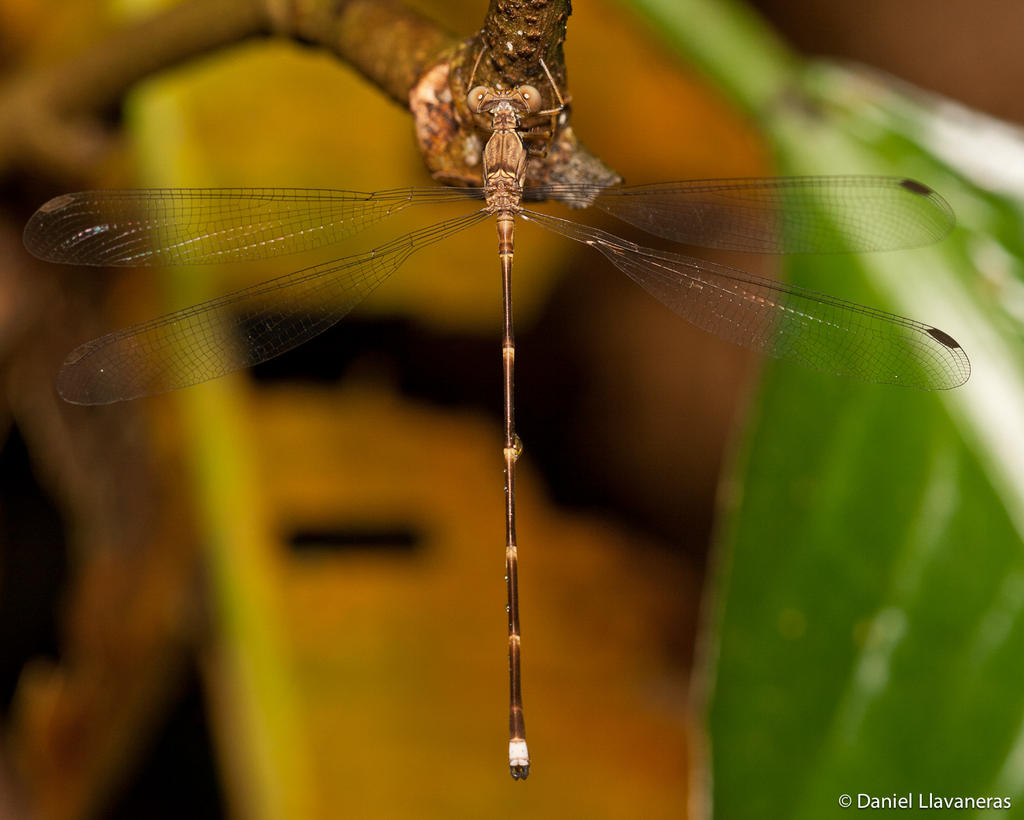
[51, 118]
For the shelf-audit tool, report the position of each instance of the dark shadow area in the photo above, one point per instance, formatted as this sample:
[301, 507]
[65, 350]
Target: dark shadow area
[396, 541]
[177, 777]
[33, 566]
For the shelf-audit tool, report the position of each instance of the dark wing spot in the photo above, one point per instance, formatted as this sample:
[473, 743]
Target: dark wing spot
[944, 338]
[916, 187]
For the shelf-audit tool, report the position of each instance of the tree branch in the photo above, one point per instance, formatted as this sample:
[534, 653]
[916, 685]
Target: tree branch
[506, 52]
[50, 119]
[387, 43]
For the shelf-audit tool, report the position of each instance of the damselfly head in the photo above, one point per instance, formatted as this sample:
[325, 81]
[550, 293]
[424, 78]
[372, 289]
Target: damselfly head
[529, 96]
[475, 98]
[523, 99]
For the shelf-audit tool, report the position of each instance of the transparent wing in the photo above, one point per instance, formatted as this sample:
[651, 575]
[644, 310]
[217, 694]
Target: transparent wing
[783, 321]
[177, 226]
[238, 330]
[776, 214]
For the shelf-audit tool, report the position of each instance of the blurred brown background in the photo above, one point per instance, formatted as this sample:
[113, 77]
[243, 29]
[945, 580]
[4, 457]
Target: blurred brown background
[967, 50]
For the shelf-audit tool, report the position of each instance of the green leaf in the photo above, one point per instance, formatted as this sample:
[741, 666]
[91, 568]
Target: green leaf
[867, 629]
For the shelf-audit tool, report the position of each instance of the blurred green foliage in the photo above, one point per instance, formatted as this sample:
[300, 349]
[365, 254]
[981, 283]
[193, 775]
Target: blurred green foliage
[867, 613]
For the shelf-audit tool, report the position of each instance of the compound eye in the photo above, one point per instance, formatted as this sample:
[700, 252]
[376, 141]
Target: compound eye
[531, 96]
[475, 98]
